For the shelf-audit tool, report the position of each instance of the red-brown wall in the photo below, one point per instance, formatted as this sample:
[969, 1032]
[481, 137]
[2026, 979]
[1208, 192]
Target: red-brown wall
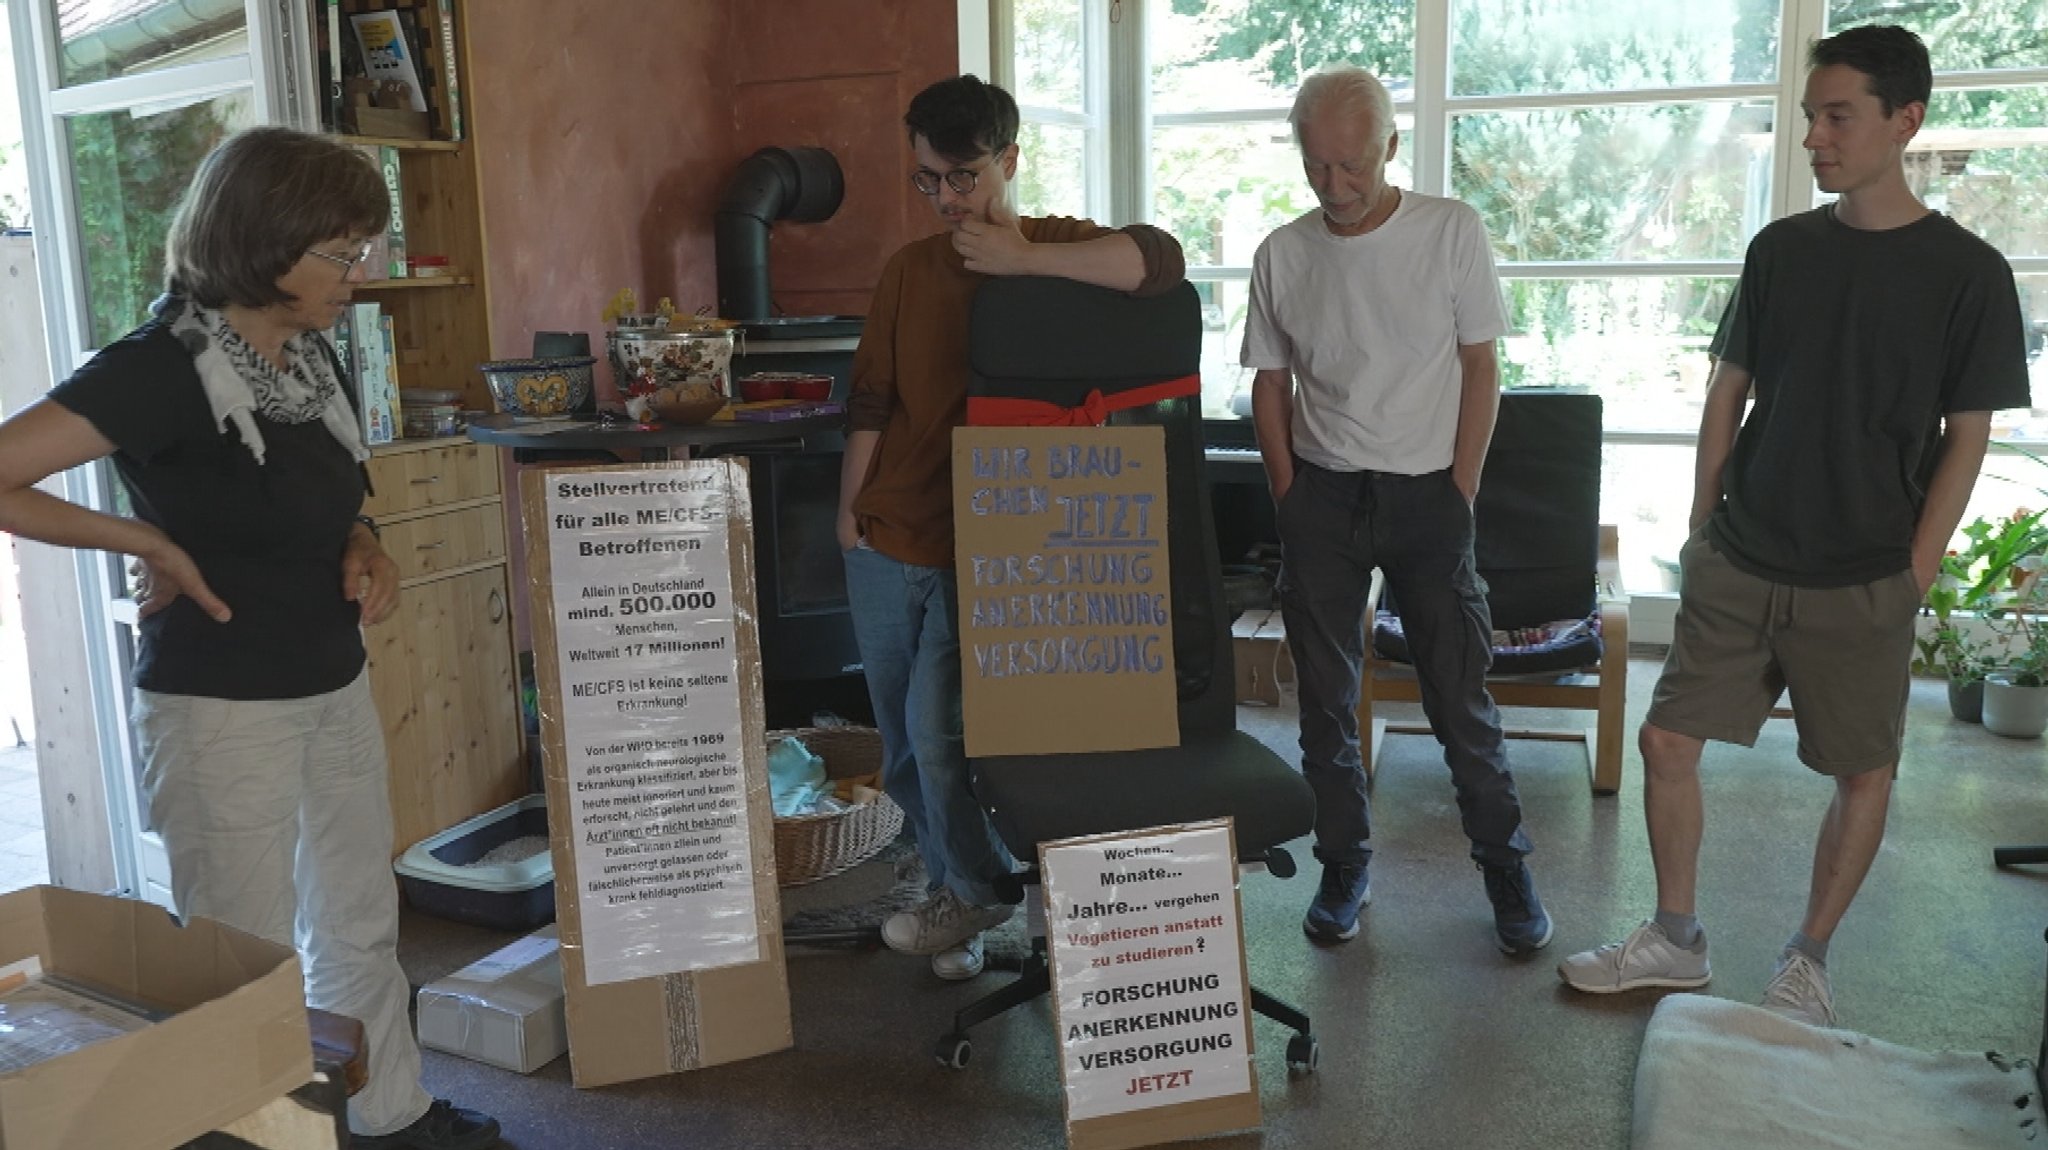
[838, 75]
[607, 132]
[605, 135]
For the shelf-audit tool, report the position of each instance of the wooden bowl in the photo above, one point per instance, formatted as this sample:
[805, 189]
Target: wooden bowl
[686, 411]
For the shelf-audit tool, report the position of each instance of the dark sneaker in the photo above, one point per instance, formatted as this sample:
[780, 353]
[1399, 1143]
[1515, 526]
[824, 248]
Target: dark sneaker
[1333, 916]
[1518, 916]
[445, 1126]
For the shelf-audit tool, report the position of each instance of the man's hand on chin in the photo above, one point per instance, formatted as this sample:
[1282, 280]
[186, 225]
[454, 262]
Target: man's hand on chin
[995, 247]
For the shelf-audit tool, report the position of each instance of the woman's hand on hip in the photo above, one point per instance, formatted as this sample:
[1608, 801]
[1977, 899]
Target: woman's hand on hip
[165, 573]
[368, 576]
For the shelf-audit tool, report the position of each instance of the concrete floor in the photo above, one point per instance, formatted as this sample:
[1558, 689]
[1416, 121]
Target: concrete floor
[1430, 1037]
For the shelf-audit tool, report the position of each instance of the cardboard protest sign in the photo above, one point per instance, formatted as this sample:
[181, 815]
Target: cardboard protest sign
[1066, 617]
[1150, 991]
[647, 661]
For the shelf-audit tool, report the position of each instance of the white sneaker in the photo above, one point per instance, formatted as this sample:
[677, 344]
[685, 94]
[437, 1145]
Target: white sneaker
[1799, 990]
[960, 963]
[1647, 957]
[940, 923]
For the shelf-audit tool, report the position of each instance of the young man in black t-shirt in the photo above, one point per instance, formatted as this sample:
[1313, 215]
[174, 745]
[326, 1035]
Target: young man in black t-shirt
[1877, 338]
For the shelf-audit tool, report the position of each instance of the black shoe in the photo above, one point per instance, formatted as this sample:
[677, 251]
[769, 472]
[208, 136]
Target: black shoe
[1333, 916]
[445, 1126]
[1518, 916]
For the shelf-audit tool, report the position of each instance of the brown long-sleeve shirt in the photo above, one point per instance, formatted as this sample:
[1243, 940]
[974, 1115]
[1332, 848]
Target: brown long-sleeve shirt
[910, 380]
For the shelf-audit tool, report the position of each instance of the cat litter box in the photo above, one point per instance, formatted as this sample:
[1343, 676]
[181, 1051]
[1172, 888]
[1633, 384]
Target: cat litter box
[450, 876]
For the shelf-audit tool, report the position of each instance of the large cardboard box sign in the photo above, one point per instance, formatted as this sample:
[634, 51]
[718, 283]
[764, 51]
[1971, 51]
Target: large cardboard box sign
[1149, 987]
[236, 1039]
[1066, 610]
[647, 659]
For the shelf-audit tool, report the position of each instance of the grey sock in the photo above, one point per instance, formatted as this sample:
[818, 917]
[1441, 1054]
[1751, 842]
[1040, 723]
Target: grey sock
[1811, 948]
[1683, 929]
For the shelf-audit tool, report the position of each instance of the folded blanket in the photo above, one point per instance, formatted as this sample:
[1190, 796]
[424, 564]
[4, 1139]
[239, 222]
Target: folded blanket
[1715, 1074]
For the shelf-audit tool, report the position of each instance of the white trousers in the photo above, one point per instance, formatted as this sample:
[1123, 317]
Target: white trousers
[277, 817]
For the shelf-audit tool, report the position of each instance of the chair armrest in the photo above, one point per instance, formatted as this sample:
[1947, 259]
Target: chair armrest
[1374, 593]
[1608, 569]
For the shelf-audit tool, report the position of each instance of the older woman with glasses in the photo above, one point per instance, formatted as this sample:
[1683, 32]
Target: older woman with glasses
[228, 418]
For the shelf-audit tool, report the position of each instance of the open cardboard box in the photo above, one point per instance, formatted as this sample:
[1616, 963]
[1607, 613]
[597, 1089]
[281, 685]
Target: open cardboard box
[1258, 644]
[237, 1036]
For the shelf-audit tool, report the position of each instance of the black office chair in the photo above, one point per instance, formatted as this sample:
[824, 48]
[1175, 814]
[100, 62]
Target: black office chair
[1071, 346]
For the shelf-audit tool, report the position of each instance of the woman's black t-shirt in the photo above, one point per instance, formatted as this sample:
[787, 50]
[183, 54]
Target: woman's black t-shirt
[267, 538]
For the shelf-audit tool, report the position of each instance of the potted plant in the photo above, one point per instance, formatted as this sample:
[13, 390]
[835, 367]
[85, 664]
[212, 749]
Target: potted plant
[1977, 579]
[2016, 691]
[1950, 653]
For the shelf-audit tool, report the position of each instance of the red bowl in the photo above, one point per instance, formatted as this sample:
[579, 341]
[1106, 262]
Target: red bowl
[811, 387]
[755, 389]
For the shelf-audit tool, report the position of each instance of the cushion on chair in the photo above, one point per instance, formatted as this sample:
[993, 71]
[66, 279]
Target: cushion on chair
[1566, 645]
[1032, 798]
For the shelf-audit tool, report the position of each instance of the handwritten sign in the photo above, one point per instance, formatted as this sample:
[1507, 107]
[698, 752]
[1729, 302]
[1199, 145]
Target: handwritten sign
[1066, 620]
[643, 616]
[1149, 979]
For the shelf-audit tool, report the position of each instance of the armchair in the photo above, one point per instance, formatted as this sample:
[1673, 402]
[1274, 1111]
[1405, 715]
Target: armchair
[1553, 585]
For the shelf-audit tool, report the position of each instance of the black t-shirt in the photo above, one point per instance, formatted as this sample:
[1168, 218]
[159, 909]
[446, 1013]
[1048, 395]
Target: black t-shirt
[1858, 343]
[268, 538]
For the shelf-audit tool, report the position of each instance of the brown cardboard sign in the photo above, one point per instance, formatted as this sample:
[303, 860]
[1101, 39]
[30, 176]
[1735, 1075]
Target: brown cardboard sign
[1066, 615]
[647, 657]
[1149, 987]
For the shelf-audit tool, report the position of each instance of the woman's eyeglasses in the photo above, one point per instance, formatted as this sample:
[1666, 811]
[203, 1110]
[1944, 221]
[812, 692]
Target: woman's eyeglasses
[347, 264]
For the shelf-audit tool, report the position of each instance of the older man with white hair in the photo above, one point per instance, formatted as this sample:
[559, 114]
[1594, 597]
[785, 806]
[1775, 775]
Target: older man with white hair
[1372, 329]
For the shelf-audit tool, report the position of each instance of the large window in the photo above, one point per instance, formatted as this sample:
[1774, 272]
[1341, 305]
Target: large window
[1622, 154]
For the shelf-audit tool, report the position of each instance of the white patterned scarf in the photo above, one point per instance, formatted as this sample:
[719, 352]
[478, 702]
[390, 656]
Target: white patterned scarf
[240, 383]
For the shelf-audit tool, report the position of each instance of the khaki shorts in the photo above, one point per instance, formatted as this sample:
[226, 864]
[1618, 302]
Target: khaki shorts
[1739, 641]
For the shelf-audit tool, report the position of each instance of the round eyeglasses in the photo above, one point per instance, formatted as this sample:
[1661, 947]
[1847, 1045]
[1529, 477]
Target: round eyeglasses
[347, 263]
[961, 180]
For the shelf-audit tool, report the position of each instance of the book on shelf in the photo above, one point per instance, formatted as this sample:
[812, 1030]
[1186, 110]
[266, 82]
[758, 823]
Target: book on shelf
[377, 399]
[451, 94]
[391, 380]
[394, 232]
[388, 59]
[387, 260]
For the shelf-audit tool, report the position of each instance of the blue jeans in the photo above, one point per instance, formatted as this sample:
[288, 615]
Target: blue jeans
[907, 622]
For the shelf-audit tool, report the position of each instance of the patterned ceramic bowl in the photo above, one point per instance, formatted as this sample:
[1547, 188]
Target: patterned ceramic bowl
[539, 387]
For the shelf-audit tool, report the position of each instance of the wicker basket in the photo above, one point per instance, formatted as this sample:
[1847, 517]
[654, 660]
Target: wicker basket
[811, 847]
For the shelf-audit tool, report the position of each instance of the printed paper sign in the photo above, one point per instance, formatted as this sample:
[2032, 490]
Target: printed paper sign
[1066, 620]
[650, 719]
[1148, 970]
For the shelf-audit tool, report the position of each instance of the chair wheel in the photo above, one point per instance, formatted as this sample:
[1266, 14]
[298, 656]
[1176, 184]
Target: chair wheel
[1303, 1052]
[954, 1050]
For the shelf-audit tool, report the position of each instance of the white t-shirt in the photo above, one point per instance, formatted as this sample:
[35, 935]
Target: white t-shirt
[1370, 326]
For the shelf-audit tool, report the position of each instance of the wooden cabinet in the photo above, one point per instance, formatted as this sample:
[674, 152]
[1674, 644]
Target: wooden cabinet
[441, 668]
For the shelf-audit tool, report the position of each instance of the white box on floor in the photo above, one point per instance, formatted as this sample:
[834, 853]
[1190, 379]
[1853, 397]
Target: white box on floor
[504, 1009]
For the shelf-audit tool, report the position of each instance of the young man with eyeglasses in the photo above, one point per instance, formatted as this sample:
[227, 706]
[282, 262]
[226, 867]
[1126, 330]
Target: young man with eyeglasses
[896, 487]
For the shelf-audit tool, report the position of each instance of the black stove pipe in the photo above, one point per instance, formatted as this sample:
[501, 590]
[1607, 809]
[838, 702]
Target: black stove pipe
[801, 184]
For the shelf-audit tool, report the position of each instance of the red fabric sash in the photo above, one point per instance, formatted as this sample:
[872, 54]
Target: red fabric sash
[991, 411]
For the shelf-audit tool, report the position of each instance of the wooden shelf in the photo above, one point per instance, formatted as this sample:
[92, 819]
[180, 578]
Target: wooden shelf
[405, 145]
[415, 283]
